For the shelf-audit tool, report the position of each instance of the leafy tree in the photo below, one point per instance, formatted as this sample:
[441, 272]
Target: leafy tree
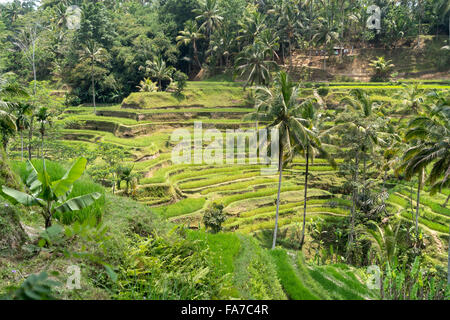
[159, 70]
[52, 197]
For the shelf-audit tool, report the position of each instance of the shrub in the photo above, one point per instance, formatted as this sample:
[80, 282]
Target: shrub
[323, 91]
[173, 268]
[214, 217]
[181, 82]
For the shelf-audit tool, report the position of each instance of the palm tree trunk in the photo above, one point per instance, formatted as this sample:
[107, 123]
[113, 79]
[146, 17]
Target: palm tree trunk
[355, 194]
[418, 203]
[30, 138]
[196, 54]
[448, 265]
[21, 139]
[280, 168]
[93, 86]
[302, 241]
[446, 201]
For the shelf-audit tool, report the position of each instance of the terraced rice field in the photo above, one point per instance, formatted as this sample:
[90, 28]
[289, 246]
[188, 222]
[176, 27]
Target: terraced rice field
[143, 125]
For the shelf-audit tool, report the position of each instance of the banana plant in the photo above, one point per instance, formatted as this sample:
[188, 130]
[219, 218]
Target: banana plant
[51, 196]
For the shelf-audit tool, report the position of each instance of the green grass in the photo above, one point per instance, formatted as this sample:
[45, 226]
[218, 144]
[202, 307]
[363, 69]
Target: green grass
[255, 274]
[180, 208]
[292, 285]
[205, 94]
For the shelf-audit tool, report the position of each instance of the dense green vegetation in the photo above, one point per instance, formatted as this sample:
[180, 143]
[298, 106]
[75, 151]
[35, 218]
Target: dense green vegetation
[88, 178]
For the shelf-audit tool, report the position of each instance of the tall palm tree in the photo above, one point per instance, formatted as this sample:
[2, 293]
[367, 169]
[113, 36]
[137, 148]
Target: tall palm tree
[326, 35]
[159, 70]
[23, 113]
[251, 26]
[282, 108]
[310, 119]
[209, 14]
[288, 19]
[430, 134]
[254, 66]
[270, 41]
[191, 35]
[43, 118]
[93, 54]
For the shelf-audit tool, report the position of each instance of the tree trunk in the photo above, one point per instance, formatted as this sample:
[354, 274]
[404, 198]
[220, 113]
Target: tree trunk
[280, 168]
[446, 201]
[93, 87]
[196, 54]
[21, 140]
[48, 222]
[30, 138]
[448, 265]
[418, 203]
[355, 194]
[302, 241]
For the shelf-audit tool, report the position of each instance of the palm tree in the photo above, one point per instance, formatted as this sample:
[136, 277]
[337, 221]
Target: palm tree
[159, 70]
[209, 14]
[93, 54]
[411, 97]
[43, 118]
[288, 19]
[431, 134]
[326, 35]
[382, 68]
[281, 107]
[270, 41]
[190, 35]
[23, 112]
[251, 26]
[253, 65]
[310, 119]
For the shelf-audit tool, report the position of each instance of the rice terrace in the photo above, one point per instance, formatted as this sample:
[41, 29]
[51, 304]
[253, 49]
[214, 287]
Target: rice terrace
[224, 150]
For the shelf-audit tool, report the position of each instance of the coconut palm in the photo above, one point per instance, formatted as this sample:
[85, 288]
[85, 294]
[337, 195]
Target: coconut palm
[254, 66]
[270, 41]
[93, 54]
[431, 134]
[251, 26]
[23, 114]
[43, 118]
[209, 14]
[411, 97]
[191, 35]
[281, 107]
[310, 119]
[159, 70]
